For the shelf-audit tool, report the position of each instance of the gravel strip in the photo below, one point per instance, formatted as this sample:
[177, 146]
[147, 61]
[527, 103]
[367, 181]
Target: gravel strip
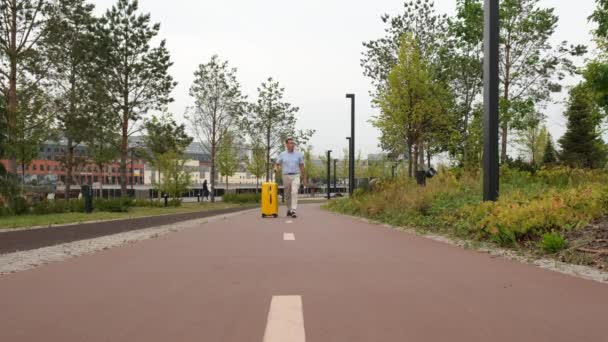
[25, 260]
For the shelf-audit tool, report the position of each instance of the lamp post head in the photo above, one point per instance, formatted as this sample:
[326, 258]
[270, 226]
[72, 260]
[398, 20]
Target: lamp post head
[350, 96]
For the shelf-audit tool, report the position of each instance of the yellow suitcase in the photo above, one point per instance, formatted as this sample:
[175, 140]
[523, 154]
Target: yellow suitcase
[270, 201]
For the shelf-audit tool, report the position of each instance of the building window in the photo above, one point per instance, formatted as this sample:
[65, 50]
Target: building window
[48, 167]
[95, 179]
[55, 168]
[89, 169]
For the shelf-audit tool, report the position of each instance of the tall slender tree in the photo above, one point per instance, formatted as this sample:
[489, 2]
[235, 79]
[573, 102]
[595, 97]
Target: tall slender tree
[71, 50]
[163, 135]
[256, 164]
[218, 103]
[136, 75]
[275, 119]
[22, 60]
[228, 162]
[582, 145]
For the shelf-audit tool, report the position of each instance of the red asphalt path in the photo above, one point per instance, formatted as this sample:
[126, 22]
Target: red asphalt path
[357, 282]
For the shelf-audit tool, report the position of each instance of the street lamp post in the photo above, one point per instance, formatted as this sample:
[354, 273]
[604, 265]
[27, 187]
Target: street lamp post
[351, 161]
[335, 176]
[491, 101]
[329, 174]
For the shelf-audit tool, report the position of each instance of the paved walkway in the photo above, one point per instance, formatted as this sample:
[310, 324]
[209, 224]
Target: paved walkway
[321, 277]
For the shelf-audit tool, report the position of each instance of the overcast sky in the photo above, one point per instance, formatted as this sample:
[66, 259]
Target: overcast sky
[313, 48]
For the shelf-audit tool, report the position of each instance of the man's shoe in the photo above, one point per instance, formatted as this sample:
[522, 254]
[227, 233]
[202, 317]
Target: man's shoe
[288, 213]
[293, 214]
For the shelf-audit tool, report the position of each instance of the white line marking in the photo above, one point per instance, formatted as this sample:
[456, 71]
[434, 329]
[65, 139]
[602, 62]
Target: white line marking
[289, 236]
[285, 320]
[290, 221]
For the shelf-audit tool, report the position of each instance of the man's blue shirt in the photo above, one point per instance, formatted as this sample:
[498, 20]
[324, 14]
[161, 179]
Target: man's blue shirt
[290, 161]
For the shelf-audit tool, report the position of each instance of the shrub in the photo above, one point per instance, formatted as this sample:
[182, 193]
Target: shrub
[553, 243]
[19, 206]
[118, 205]
[175, 202]
[147, 203]
[242, 198]
[43, 207]
[76, 206]
[518, 216]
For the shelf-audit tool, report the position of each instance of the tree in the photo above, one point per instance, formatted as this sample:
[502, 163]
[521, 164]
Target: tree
[136, 77]
[550, 155]
[218, 103]
[530, 65]
[462, 68]
[421, 21]
[32, 127]
[22, 64]
[312, 171]
[413, 106]
[71, 51]
[257, 164]
[228, 159]
[582, 145]
[274, 119]
[163, 135]
[176, 179]
[533, 140]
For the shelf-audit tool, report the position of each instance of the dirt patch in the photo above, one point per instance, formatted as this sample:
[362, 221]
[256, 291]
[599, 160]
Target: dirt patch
[588, 246]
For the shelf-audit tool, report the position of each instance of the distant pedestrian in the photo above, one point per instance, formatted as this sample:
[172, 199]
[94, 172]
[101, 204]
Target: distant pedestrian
[292, 164]
[205, 190]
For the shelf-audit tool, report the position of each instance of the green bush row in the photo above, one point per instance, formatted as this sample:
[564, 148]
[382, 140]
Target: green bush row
[20, 206]
[536, 208]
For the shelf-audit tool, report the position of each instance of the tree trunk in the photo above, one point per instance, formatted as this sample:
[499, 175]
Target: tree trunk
[410, 171]
[505, 123]
[212, 176]
[428, 158]
[421, 155]
[69, 164]
[12, 91]
[268, 166]
[416, 150]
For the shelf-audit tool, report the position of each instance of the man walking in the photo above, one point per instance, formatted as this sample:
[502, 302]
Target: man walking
[292, 165]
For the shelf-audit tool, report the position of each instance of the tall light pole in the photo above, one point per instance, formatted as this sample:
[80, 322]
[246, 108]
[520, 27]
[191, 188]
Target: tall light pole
[351, 159]
[490, 100]
[329, 174]
[335, 176]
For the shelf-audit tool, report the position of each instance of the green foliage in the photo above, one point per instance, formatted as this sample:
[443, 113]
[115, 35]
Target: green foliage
[257, 164]
[176, 178]
[413, 105]
[218, 103]
[228, 158]
[553, 242]
[553, 200]
[274, 119]
[242, 198]
[136, 76]
[550, 155]
[582, 145]
[117, 205]
[19, 206]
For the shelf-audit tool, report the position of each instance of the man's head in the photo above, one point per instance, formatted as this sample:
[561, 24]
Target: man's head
[290, 144]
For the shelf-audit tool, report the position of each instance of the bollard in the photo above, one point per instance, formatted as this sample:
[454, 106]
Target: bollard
[88, 198]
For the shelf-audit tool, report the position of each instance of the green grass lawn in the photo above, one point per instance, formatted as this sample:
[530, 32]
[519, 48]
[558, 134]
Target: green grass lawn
[65, 218]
